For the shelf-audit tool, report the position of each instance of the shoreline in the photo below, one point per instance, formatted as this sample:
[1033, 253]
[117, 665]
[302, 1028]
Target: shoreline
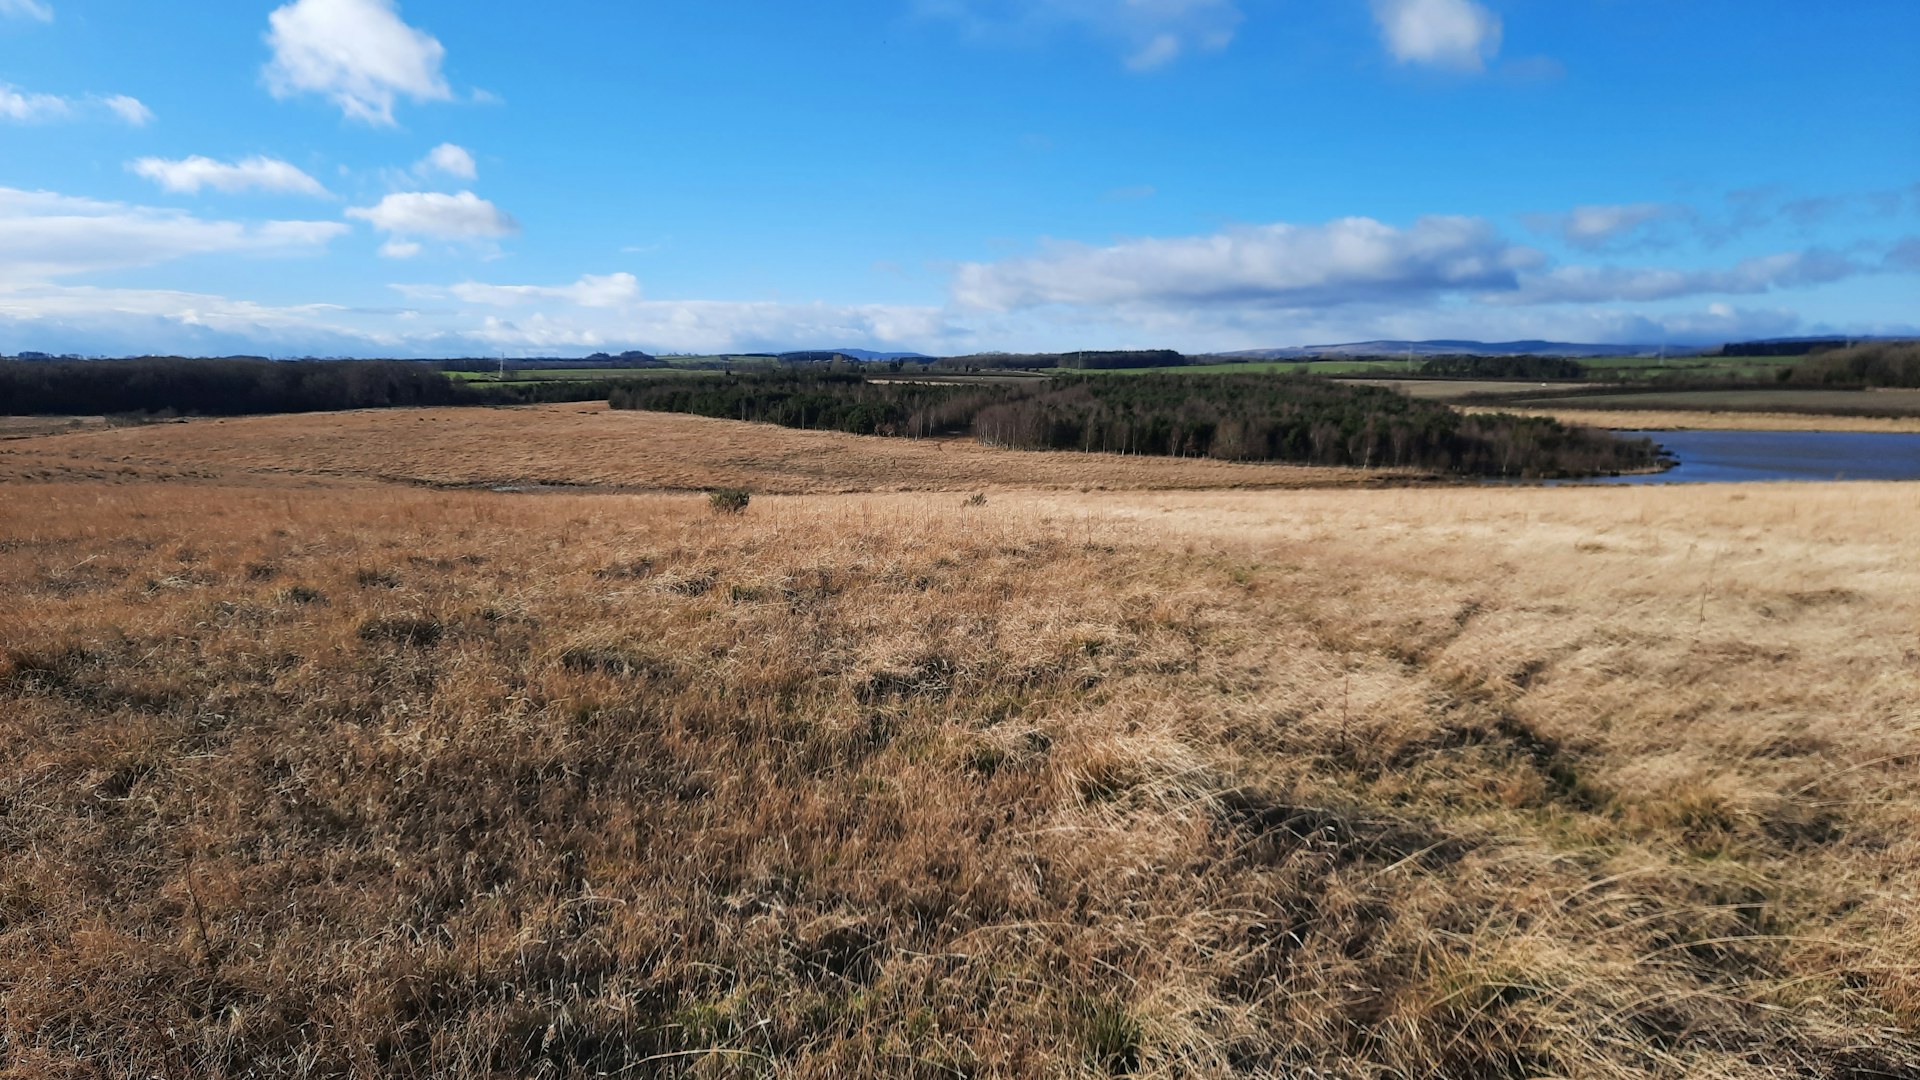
[1686, 420]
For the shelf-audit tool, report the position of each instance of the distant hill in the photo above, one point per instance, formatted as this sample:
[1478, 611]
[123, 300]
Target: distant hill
[1450, 348]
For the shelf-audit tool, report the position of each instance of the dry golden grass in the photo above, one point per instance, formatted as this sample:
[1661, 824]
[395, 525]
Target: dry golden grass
[1670, 420]
[381, 781]
[586, 445]
[27, 427]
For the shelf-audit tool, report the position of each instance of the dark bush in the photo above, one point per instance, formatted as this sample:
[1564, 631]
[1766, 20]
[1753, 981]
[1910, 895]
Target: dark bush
[1503, 367]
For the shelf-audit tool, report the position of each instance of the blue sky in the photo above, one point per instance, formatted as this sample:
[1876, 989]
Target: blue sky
[445, 177]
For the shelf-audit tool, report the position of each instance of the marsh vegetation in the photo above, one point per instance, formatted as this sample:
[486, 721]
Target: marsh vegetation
[305, 772]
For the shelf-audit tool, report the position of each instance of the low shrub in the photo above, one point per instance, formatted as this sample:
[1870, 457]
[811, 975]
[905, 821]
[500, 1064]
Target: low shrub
[729, 500]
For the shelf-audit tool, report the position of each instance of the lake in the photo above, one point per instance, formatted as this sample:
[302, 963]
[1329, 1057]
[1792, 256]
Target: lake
[1722, 457]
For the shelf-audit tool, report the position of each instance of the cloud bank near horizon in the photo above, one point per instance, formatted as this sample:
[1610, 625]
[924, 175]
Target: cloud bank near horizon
[1253, 286]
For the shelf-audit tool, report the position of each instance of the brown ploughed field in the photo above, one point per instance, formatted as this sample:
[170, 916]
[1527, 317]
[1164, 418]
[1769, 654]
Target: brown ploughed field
[306, 772]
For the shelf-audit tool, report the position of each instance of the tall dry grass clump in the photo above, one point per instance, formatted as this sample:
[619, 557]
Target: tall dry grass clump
[388, 782]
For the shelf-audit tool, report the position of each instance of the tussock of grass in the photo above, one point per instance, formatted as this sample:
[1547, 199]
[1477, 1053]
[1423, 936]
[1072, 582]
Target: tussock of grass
[1458, 784]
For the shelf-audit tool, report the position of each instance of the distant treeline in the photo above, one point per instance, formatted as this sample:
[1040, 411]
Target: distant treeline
[1108, 360]
[1796, 347]
[1503, 367]
[821, 401]
[1879, 363]
[1230, 417]
[597, 360]
[181, 387]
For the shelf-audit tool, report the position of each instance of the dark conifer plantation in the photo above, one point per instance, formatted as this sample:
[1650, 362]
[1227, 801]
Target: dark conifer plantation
[1230, 417]
[245, 387]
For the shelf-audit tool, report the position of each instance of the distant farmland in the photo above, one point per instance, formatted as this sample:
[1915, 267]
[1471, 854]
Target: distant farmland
[537, 375]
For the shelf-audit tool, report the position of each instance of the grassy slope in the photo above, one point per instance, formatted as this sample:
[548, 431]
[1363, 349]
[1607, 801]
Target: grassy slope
[1463, 783]
[583, 444]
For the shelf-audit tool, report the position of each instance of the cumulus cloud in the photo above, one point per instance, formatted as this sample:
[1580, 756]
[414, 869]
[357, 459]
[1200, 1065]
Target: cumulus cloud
[357, 53]
[1346, 261]
[30, 108]
[191, 175]
[449, 160]
[26, 9]
[1459, 34]
[1598, 228]
[407, 216]
[46, 235]
[1150, 33]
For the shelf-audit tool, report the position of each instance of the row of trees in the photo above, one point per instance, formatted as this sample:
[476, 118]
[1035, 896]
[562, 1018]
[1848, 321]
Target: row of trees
[824, 401]
[1094, 360]
[1503, 367]
[1300, 419]
[1230, 417]
[239, 387]
[1877, 363]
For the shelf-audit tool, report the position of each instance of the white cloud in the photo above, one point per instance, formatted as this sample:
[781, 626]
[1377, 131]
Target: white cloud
[130, 110]
[102, 310]
[30, 108]
[358, 53]
[1596, 228]
[451, 160]
[1459, 34]
[26, 9]
[16, 104]
[1345, 261]
[1151, 33]
[190, 175]
[46, 235]
[723, 326]
[602, 311]
[592, 290]
[399, 249]
[437, 216]
[1161, 51]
